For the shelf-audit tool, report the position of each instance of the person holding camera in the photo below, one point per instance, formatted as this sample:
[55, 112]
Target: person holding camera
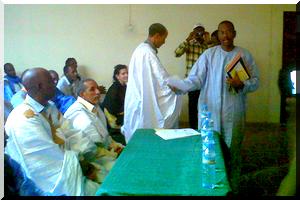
[194, 45]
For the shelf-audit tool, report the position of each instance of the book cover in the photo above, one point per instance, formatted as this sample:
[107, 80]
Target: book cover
[238, 68]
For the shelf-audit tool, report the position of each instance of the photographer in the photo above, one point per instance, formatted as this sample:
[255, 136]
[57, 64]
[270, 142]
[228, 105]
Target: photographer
[194, 45]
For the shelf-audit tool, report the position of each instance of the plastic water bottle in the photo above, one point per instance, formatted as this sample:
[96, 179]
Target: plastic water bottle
[202, 115]
[208, 153]
[209, 166]
[207, 127]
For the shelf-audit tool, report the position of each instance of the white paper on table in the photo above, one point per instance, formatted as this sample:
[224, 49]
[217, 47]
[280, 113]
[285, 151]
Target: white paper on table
[168, 134]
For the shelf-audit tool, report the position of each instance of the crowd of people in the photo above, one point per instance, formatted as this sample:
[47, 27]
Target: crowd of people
[61, 144]
[66, 140]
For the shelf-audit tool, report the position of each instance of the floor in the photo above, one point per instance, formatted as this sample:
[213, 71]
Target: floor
[265, 153]
[265, 159]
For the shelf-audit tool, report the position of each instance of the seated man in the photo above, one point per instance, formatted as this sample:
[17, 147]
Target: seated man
[12, 83]
[68, 83]
[86, 115]
[34, 143]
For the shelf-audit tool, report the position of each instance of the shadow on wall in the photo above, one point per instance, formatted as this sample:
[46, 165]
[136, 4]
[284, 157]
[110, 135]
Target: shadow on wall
[82, 70]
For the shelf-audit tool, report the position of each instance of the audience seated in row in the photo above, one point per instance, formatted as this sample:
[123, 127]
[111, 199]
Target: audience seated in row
[87, 141]
[35, 135]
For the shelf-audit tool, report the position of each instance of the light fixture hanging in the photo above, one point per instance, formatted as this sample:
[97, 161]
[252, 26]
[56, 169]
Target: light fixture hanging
[130, 26]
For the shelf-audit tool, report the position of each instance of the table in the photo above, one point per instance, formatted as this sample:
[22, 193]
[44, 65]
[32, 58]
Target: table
[150, 165]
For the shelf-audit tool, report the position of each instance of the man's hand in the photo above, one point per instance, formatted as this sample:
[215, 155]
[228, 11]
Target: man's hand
[174, 89]
[191, 36]
[104, 152]
[116, 147]
[118, 150]
[235, 82]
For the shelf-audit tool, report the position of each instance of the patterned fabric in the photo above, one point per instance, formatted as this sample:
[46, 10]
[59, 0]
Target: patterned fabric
[193, 50]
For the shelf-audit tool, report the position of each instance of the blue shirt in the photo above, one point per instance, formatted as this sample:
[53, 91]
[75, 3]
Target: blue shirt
[12, 84]
[62, 101]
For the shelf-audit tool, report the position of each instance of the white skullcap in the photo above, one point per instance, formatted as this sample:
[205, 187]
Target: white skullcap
[198, 25]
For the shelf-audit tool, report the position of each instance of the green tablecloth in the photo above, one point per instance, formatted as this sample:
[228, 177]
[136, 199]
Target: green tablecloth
[150, 165]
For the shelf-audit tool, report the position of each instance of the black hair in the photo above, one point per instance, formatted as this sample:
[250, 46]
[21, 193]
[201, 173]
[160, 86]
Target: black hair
[117, 70]
[227, 22]
[53, 72]
[6, 65]
[157, 28]
[215, 34]
[69, 60]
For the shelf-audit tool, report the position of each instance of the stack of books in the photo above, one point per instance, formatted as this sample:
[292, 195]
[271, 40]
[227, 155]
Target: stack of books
[237, 67]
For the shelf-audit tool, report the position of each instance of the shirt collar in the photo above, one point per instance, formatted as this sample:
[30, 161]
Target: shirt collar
[151, 44]
[67, 80]
[34, 104]
[87, 104]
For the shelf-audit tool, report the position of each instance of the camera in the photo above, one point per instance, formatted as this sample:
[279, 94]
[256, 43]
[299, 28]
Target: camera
[199, 34]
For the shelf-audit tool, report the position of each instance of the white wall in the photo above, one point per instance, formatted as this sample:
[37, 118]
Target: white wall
[99, 38]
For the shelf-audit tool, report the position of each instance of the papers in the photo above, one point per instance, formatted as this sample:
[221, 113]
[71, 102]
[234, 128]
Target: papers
[168, 134]
[237, 67]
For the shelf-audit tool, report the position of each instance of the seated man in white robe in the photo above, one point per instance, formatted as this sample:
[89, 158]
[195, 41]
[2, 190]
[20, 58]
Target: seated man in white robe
[149, 102]
[85, 115]
[35, 145]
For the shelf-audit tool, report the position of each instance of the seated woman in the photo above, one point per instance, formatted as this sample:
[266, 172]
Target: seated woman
[113, 104]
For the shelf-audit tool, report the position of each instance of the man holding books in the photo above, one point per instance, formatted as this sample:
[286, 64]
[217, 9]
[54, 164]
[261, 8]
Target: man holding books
[216, 74]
